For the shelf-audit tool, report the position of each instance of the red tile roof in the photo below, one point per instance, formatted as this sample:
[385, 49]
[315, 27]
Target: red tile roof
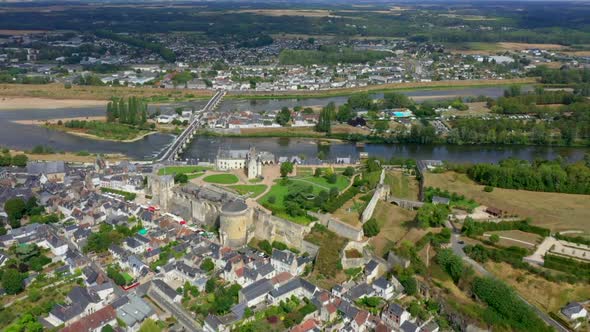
[308, 325]
[93, 321]
[361, 317]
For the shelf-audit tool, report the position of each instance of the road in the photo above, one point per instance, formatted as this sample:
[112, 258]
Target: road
[458, 250]
[179, 314]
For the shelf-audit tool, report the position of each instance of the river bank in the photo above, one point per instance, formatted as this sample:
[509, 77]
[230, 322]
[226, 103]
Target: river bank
[15, 103]
[54, 124]
[72, 157]
[378, 88]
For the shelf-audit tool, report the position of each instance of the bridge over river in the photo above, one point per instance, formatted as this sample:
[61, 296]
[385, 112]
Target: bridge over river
[180, 143]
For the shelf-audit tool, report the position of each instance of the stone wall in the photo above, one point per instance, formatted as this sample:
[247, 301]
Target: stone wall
[381, 192]
[339, 227]
[349, 263]
[309, 248]
[273, 228]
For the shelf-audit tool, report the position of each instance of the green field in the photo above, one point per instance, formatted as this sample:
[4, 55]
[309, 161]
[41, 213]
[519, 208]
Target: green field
[255, 189]
[221, 178]
[128, 278]
[402, 185]
[279, 190]
[321, 183]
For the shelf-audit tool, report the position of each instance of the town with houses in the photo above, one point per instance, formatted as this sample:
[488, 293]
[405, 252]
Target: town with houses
[153, 281]
[169, 244]
[254, 69]
[303, 166]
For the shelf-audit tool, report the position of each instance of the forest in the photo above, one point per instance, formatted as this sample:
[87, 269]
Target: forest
[328, 55]
[541, 175]
[534, 22]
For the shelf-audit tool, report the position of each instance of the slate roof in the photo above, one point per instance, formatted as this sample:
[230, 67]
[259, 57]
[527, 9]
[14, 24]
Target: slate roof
[359, 291]
[283, 256]
[170, 293]
[572, 308]
[257, 289]
[133, 310]
[381, 283]
[408, 326]
[395, 309]
[45, 167]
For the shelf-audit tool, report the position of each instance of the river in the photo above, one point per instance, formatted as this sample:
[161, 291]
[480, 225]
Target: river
[25, 137]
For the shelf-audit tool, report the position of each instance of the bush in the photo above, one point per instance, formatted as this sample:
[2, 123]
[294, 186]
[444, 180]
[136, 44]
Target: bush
[502, 301]
[279, 245]
[265, 246]
[488, 189]
[332, 178]
[207, 265]
[451, 263]
[371, 228]
[348, 171]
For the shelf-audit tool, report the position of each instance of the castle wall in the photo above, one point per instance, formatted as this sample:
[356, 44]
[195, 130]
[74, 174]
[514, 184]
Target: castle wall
[201, 211]
[272, 228]
[339, 227]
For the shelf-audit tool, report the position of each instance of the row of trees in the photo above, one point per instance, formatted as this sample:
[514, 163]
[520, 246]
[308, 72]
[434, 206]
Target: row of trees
[19, 160]
[550, 176]
[132, 112]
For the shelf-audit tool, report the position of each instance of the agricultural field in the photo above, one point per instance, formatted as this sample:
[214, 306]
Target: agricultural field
[494, 48]
[556, 211]
[221, 179]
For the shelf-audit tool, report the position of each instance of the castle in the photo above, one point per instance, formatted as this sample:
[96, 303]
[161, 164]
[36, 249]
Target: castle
[249, 160]
[216, 207]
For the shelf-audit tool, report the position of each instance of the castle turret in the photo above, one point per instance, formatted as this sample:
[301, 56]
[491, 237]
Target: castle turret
[235, 223]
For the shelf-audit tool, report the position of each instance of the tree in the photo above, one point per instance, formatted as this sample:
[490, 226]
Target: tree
[451, 263]
[12, 281]
[348, 171]
[494, 238]
[180, 178]
[325, 121]
[371, 228]
[210, 285]
[344, 113]
[286, 168]
[265, 246]
[207, 265]
[332, 178]
[15, 208]
[20, 160]
[284, 116]
[432, 215]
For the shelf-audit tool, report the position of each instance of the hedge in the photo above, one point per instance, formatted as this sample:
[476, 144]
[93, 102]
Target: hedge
[472, 228]
[334, 204]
